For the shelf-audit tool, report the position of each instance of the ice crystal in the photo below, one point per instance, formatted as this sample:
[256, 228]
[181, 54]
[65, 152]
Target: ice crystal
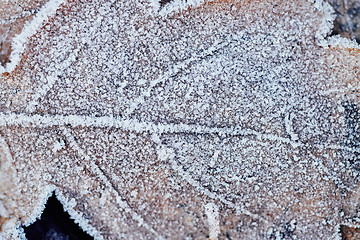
[187, 119]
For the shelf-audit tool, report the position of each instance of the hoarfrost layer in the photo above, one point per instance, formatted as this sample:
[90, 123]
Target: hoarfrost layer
[140, 118]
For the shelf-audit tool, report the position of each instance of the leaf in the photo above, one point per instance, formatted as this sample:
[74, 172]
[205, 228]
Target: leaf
[141, 118]
[13, 16]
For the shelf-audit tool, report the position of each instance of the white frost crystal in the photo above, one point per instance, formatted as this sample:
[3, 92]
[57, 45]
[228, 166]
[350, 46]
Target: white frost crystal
[212, 213]
[140, 116]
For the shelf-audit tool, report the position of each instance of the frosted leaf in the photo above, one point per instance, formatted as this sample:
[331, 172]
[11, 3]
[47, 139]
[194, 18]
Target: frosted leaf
[13, 17]
[187, 119]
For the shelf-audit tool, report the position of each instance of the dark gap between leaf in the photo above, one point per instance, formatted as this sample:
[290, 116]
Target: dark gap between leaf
[55, 224]
[164, 2]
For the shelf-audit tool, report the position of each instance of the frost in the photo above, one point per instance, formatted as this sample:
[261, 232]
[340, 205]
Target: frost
[175, 5]
[288, 126]
[12, 230]
[235, 118]
[328, 19]
[342, 42]
[212, 213]
[40, 206]
[19, 42]
[83, 223]
[58, 145]
[3, 211]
